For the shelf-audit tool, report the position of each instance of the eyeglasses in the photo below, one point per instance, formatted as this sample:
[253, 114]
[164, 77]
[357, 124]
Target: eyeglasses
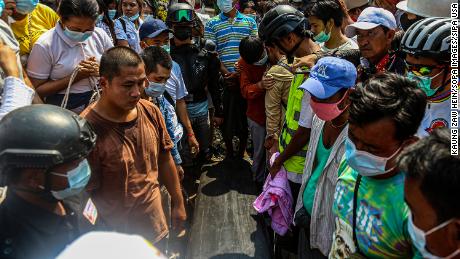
[422, 70]
[181, 15]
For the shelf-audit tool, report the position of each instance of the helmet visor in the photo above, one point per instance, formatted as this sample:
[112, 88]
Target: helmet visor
[183, 16]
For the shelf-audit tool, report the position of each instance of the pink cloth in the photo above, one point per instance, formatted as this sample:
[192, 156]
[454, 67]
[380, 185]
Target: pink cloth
[276, 198]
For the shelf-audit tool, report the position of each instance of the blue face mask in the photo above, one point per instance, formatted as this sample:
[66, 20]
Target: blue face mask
[322, 37]
[26, 6]
[77, 179]
[225, 5]
[154, 89]
[418, 237]
[2, 6]
[133, 18]
[100, 18]
[424, 82]
[111, 13]
[77, 36]
[366, 164]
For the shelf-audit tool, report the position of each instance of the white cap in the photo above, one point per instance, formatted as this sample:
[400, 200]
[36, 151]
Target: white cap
[427, 8]
[110, 245]
[370, 18]
[351, 4]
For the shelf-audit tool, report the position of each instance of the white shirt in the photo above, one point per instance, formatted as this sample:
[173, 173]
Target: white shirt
[350, 44]
[305, 120]
[15, 95]
[437, 115]
[54, 56]
[306, 113]
[175, 84]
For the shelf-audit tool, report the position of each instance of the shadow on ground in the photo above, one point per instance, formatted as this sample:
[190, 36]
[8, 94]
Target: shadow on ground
[225, 225]
[231, 175]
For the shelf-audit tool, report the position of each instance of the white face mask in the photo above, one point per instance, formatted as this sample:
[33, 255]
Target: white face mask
[366, 164]
[419, 238]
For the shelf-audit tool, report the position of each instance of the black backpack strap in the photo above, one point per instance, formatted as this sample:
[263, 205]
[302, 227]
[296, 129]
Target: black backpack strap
[285, 66]
[169, 98]
[123, 24]
[284, 105]
[355, 205]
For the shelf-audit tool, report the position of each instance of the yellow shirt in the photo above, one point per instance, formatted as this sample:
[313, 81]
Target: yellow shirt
[39, 21]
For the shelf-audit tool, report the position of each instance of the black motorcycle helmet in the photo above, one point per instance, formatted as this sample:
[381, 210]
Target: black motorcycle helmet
[280, 21]
[180, 13]
[43, 136]
[185, 20]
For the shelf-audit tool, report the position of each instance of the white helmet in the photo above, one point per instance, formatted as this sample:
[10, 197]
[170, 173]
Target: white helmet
[99, 244]
[427, 8]
[429, 37]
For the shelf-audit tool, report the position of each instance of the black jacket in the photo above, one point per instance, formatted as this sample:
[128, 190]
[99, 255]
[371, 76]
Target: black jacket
[200, 70]
[29, 231]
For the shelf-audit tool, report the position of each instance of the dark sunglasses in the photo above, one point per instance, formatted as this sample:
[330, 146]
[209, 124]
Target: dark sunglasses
[423, 70]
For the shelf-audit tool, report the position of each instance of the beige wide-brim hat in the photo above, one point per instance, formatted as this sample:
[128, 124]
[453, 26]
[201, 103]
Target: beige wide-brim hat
[427, 8]
[355, 3]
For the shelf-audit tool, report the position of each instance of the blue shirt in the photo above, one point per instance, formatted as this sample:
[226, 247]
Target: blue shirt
[175, 87]
[106, 28]
[227, 33]
[131, 35]
[196, 110]
[163, 105]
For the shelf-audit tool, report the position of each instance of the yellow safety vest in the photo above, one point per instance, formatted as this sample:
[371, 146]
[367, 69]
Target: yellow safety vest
[294, 164]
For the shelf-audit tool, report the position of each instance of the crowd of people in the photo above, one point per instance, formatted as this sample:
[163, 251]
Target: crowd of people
[346, 106]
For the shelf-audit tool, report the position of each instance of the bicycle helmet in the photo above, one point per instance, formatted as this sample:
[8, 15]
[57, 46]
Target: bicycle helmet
[429, 37]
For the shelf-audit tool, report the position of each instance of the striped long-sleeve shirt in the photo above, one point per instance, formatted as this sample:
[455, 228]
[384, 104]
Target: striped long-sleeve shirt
[227, 33]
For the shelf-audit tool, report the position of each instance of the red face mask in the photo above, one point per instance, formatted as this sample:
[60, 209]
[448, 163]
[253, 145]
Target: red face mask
[327, 111]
